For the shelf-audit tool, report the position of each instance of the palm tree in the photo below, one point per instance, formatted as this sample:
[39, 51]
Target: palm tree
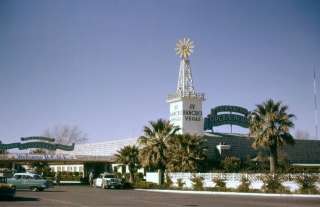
[41, 167]
[269, 125]
[129, 155]
[2, 151]
[154, 145]
[186, 153]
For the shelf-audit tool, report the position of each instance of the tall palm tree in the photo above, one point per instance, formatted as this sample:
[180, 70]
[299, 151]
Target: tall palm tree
[129, 155]
[269, 126]
[186, 153]
[2, 151]
[154, 145]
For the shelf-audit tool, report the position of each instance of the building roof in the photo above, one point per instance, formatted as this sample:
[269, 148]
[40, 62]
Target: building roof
[304, 151]
[107, 148]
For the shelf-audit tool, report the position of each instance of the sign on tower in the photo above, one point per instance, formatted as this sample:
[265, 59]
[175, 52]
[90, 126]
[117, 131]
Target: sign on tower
[186, 103]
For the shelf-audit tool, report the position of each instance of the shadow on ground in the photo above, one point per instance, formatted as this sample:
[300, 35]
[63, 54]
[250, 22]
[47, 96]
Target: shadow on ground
[45, 191]
[18, 199]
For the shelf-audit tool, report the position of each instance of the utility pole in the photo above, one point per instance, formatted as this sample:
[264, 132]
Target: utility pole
[315, 103]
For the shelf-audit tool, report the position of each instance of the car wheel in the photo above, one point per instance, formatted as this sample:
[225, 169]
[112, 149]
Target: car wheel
[35, 189]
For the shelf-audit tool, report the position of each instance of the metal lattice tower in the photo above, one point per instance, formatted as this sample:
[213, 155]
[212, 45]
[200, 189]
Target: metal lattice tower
[186, 104]
[185, 84]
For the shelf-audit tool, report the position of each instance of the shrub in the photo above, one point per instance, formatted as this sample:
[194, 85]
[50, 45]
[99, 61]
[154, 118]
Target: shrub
[138, 176]
[126, 176]
[197, 182]
[180, 183]
[127, 185]
[307, 183]
[168, 182]
[70, 178]
[244, 185]
[272, 183]
[42, 168]
[231, 164]
[118, 175]
[220, 183]
[146, 185]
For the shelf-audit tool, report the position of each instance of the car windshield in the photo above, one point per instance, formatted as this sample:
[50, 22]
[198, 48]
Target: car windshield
[109, 176]
[3, 180]
[26, 177]
[37, 177]
[17, 176]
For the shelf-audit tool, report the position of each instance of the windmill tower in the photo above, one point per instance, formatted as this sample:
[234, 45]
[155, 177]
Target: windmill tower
[186, 103]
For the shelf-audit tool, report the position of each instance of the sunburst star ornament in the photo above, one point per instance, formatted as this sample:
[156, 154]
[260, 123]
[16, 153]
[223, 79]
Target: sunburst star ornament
[184, 48]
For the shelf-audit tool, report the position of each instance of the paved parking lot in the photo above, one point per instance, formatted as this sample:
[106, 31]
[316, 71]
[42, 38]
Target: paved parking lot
[83, 196]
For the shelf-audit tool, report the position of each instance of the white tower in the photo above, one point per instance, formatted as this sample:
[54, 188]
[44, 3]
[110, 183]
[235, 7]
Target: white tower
[186, 103]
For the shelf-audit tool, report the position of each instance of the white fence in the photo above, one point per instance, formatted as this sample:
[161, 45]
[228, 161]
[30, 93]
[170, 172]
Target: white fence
[232, 179]
[153, 177]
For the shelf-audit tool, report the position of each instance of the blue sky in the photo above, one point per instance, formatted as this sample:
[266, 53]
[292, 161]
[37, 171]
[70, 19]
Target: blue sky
[107, 66]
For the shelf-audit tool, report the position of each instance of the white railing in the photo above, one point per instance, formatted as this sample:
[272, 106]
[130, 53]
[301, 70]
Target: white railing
[232, 179]
[186, 94]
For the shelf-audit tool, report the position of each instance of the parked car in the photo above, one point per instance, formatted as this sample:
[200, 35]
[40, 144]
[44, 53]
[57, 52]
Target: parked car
[6, 190]
[108, 180]
[28, 181]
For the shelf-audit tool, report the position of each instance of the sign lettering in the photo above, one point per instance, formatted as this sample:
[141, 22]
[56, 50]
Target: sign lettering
[226, 114]
[41, 145]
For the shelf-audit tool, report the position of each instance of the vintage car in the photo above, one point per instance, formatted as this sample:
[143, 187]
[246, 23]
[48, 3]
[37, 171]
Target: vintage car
[28, 181]
[108, 180]
[6, 190]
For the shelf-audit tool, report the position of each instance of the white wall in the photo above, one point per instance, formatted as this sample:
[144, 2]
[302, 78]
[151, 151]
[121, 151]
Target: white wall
[192, 123]
[152, 177]
[186, 112]
[232, 179]
[121, 167]
[67, 168]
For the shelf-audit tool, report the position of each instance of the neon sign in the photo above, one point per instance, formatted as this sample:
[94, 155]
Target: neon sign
[41, 143]
[227, 114]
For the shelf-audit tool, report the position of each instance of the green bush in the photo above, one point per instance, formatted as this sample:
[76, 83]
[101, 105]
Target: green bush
[231, 164]
[180, 183]
[42, 168]
[126, 176]
[168, 182]
[244, 184]
[258, 164]
[220, 184]
[307, 184]
[127, 185]
[118, 175]
[197, 182]
[272, 184]
[138, 177]
[146, 185]
[70, 178]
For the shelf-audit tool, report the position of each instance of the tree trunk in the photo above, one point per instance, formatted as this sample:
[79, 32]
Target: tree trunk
[273, 159]
[131, 179]
[161, 176]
